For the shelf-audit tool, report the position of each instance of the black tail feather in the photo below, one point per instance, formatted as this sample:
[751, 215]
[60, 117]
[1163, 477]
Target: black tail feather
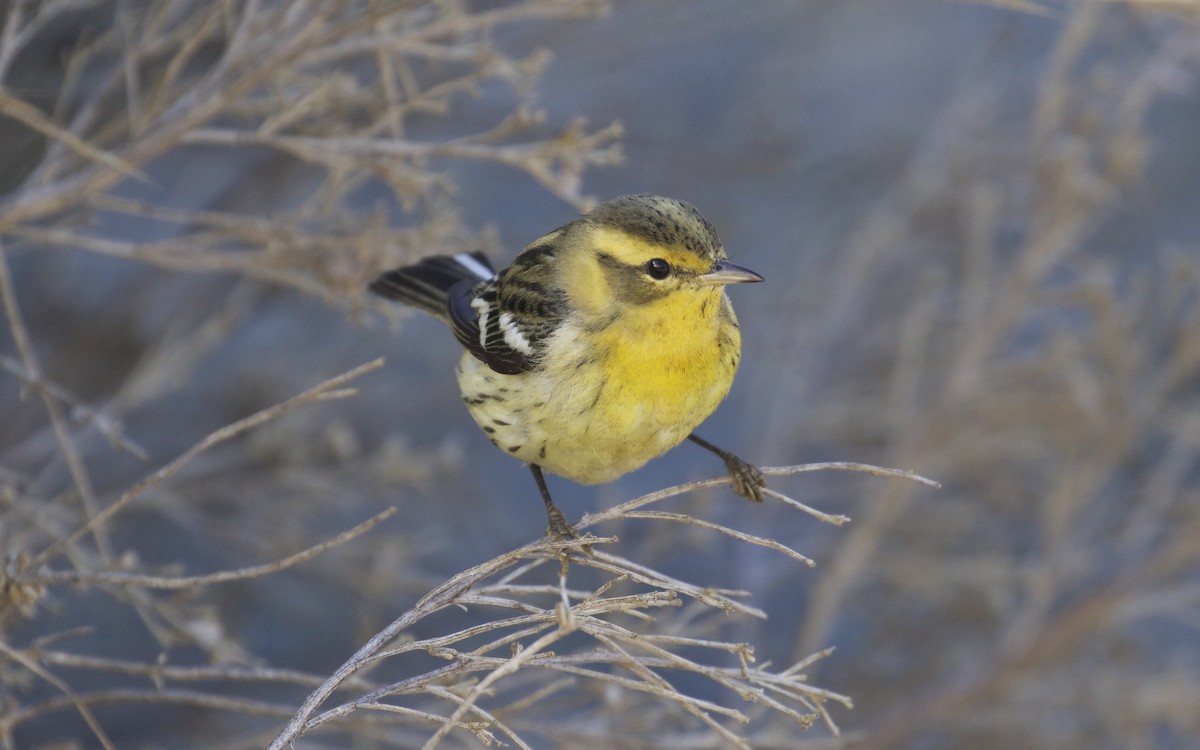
[425, 284]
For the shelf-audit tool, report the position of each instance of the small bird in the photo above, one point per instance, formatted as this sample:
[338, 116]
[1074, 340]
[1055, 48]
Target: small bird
[602, 346]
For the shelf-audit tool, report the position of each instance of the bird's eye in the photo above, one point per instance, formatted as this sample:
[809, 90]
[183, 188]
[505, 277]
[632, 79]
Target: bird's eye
[657, 268]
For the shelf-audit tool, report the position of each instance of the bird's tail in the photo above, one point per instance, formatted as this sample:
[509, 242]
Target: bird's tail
[426, 284]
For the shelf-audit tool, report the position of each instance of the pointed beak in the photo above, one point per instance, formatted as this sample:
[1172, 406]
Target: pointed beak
[724, 272]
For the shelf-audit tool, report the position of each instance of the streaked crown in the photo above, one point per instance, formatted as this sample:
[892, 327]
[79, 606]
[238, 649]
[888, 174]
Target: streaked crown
[661, 221]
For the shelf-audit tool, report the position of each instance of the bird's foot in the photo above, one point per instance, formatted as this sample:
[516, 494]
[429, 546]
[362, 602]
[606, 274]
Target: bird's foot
[559, 528]
[745, 478]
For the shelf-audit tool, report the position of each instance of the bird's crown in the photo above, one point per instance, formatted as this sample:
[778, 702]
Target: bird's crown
[662, 222]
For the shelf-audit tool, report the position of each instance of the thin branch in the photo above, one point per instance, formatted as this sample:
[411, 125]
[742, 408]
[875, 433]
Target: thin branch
[106, 426]
[74, 700]
[160, 673]
[66, 444]
[321, 392]
[463, 704]
[741, 536]
[588, 614]
[186, 582]
[444, 595]
[230, 704]
[618, 511]
[879, 471]
[32, 117]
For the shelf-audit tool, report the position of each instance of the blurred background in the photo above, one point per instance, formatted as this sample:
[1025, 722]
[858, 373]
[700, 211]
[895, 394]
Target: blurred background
[979, 226]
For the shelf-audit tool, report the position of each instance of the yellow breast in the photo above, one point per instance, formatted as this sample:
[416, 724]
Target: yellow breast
[666, 372]
[605, 402]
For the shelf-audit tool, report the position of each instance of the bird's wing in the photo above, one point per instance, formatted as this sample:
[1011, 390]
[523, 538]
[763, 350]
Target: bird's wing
[505, 321]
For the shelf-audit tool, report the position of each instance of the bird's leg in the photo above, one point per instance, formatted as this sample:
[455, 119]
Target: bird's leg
[559, 528]
[748, 481]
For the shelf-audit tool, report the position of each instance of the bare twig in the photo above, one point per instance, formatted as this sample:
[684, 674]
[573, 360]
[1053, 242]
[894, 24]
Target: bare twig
[74, 700]
[540, 626]
[324, 391]
[66, 444]
[186, 582]
[29, 115]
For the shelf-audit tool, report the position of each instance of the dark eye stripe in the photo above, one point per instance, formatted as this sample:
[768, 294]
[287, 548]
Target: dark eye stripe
[630, 284]
[607, 259]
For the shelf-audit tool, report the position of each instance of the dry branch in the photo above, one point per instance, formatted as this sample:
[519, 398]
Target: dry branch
[546, 620]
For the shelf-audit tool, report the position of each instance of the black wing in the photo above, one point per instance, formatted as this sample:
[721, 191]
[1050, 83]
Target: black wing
[505, 321]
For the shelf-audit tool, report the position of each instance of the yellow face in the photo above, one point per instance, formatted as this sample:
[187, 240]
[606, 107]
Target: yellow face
[613, 272]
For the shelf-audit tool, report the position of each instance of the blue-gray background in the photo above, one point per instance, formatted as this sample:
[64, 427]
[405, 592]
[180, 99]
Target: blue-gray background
[941, 295]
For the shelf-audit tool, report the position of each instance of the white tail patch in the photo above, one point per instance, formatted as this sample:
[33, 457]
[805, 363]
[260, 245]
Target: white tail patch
[474, 266]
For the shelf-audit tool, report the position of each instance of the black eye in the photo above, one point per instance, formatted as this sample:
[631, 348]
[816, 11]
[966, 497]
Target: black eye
[657, 268]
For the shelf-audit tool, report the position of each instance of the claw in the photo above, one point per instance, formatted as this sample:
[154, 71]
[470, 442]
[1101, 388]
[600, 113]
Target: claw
[747, 480]
[559, 528]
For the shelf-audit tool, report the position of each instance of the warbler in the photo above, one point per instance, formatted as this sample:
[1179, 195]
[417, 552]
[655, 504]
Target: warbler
[603, 345]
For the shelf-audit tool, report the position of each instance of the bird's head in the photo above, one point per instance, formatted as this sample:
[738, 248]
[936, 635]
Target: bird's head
[640, 250]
